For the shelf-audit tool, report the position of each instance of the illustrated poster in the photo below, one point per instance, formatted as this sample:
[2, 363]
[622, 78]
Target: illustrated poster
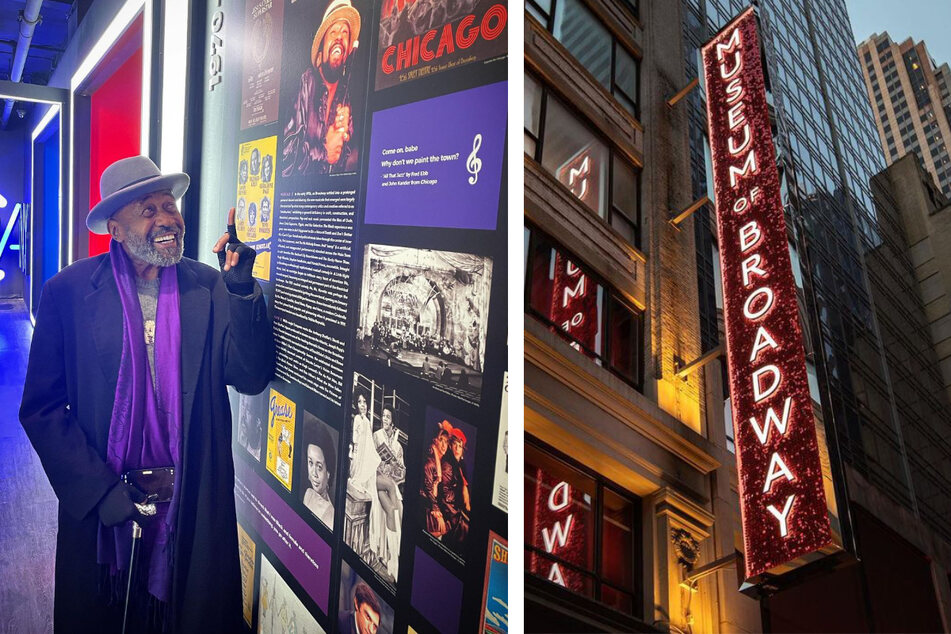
[254, 209]
[279, 609]
[282, 413]
[420, 38]
[495, 598]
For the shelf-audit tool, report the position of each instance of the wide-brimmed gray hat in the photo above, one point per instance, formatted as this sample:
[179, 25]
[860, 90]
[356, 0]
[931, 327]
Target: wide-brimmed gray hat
[127, 180]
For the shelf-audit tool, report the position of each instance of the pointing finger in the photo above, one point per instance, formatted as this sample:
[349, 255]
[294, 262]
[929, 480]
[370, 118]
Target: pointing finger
[232, 229]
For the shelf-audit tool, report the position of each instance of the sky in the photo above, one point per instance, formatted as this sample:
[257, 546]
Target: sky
[927, 20]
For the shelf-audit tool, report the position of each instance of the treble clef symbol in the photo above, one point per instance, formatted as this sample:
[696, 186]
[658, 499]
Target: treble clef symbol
[474, 163]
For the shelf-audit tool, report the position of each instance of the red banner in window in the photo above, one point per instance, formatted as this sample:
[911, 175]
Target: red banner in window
[558, 527]
[574, 303]
[785, 515]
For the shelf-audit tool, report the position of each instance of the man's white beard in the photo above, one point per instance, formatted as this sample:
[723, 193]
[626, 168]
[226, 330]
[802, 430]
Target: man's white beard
[144, 249]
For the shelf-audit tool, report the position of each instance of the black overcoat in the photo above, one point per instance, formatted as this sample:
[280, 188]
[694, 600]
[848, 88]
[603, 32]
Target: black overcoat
[66, 410]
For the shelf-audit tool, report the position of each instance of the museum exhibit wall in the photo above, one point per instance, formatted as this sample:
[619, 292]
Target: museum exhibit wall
[377, 457]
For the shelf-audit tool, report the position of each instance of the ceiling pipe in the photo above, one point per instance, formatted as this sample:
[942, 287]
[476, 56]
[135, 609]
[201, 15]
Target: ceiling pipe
[28, 21]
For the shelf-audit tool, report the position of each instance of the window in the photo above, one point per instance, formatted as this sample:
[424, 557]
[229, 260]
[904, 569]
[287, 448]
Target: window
[562, 293]
[575, 157]
[568, 150]
[591, 43]
[533, 108]
[581, 531]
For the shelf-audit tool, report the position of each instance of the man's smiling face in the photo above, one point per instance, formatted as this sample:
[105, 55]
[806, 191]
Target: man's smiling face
[336, 45]
[151, 229]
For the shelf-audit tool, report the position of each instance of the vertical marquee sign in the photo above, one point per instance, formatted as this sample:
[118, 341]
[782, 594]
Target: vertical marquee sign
[783, 505]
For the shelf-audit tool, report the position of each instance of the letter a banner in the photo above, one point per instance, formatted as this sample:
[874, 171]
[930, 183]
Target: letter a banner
[782, 499]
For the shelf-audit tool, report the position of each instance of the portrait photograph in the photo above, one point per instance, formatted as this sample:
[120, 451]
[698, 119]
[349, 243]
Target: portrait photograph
[318, 469]
[325, 57]
[361, 609]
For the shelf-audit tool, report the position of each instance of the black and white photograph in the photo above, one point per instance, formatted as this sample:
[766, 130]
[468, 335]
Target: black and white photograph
[377, 426]
[318, 471]
[425, 313]
[252, 414]
[267, 168]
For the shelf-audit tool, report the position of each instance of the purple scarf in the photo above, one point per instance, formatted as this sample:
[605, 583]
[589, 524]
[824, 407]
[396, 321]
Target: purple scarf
[146, 425]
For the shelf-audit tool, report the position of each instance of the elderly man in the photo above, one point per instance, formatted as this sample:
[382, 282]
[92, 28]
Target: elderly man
[128, 369]
[317, 138]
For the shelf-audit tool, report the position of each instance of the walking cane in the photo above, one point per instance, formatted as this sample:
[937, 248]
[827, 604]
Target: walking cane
[147, 510]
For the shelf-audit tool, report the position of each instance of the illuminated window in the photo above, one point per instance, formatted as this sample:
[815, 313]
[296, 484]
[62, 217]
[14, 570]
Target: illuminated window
[567, 148]
[575, 157]
[591, 43]
[581, 532]
[565, 295]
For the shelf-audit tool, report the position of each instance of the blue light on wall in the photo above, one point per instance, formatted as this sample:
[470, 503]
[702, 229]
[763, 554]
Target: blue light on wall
[7, 231]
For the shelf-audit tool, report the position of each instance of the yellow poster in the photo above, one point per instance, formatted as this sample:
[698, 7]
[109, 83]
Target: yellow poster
[254, 206]
[246, 557]
[282, 412]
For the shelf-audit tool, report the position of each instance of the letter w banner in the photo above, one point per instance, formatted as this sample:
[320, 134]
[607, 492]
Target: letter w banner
[560, 529]
[782, 498]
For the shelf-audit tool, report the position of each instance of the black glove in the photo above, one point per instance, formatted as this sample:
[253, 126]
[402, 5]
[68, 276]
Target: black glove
[238, 278]
[118, 505]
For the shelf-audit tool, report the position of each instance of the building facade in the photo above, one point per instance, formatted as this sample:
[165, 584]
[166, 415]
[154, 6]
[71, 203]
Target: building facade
[628, 481]
[911, 102]
[630, 450]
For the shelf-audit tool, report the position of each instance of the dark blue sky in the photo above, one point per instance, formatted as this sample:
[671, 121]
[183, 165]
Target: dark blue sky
[928, 20]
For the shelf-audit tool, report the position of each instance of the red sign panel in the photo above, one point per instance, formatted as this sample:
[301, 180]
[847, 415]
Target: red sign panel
[784, 509]
[558, 527]
[574, 303]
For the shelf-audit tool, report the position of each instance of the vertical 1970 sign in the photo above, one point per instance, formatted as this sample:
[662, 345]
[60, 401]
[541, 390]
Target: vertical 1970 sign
[783, 505]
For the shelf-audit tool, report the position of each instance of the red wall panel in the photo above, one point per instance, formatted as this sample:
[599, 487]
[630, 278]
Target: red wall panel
[115, 129]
